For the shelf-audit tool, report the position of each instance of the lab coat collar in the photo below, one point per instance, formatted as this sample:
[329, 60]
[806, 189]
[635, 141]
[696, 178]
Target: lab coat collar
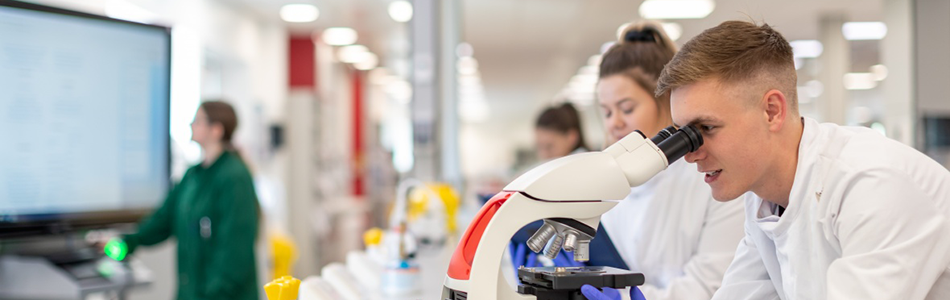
[807, 157]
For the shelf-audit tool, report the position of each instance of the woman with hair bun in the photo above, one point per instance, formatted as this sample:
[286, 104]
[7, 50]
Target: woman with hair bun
[670, 228]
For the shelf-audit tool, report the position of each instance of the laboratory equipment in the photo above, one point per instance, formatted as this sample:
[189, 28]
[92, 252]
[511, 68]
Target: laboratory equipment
[569, 194]
[422, 216]
[284, 288]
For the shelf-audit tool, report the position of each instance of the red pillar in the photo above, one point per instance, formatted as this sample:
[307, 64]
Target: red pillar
[358, 121]
[302, 63]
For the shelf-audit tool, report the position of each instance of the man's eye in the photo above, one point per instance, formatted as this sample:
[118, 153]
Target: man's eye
[707, 128]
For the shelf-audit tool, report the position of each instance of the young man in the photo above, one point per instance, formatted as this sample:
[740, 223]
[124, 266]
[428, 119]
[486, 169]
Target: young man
[834, 212]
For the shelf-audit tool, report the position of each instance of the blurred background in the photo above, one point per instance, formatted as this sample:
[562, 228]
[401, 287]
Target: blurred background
[341, 100]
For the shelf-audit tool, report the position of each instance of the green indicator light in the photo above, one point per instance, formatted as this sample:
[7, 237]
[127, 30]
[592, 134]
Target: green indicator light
[116, 249]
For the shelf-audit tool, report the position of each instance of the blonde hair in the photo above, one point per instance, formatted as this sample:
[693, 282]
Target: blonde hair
[735, 52]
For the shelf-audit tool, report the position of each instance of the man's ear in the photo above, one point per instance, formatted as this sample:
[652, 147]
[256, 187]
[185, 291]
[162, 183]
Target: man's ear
[776, 109]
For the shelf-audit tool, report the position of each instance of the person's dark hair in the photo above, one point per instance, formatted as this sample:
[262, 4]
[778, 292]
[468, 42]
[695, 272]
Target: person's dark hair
[562, 118]
[641, 51]
[735, 52]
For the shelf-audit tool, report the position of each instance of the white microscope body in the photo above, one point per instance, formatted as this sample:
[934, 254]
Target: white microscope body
[570, 190]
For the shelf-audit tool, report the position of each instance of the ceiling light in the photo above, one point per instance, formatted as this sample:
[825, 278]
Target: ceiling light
[584, 79]
[123, 10]
[400, 11]
[606, 46]
[854, 31]
[299, 13]
[367, 61]
[339, 36]
[474, 111]
[594, 60]
[806, 48]
[859, 81]
[589, 70]
[879, 72]
[464, 50]
[352, 53]
[676, 9]
[622, 28]
[469, 80]
[673, 30]
[467, 65]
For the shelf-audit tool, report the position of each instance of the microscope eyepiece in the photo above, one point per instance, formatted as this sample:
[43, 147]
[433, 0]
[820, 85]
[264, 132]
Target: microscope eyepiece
[685, 140]
[663, 135]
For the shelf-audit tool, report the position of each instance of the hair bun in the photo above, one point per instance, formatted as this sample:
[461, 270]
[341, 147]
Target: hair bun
[645, 35]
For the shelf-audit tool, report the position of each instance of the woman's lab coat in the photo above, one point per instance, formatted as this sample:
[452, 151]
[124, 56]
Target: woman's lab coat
[674, 232]
[866, 219]
[213, 214]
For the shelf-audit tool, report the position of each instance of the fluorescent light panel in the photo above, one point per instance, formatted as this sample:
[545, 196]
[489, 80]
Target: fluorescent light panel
[676, 9]
[856, 31]
[339, 36]
[859, 81]
[673, 30]
[299, 13]
[400, 11]
[806, 48]
[367, 61]
[352, 53]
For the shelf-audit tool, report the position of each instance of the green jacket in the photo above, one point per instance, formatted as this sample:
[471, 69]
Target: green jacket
[213, 212]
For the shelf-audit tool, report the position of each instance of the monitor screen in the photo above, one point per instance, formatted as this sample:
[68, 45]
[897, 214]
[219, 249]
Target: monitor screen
[84, 104]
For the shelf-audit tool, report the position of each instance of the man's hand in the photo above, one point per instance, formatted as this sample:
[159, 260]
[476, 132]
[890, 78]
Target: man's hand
[593, 293]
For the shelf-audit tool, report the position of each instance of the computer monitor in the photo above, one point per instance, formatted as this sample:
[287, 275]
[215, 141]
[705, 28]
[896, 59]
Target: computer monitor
[84, 112]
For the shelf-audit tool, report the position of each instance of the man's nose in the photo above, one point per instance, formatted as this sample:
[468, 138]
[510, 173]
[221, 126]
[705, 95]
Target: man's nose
[693, 157]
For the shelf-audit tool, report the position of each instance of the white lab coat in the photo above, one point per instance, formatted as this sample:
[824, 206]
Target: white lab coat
[674, 232]
[866, 219]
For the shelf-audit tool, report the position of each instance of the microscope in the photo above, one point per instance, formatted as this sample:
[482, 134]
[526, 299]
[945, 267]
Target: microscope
[569, 194]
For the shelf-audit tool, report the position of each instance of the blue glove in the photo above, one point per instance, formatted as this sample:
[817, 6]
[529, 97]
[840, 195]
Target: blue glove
[593, 293]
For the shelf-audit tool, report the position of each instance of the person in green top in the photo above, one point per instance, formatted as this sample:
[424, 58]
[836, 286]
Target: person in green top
[213, 213]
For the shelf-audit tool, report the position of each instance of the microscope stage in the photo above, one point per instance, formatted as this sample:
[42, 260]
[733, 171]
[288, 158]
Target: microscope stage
[555, 283]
